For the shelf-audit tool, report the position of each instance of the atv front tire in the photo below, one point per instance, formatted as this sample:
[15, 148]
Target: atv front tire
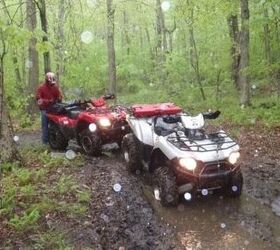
[131, 154]
[165, 181]
[90, 143]
[234, 189]
[57, 140]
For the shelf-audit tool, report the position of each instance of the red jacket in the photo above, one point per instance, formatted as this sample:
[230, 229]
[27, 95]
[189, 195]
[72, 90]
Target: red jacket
[47, 94]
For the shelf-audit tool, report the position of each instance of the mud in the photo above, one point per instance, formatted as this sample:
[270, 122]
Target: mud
[133, 219]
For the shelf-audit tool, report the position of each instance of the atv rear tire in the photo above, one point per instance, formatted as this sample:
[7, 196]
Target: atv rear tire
[131, 154]
[91, 143]
[234, 189]
[165, 181]
[57, 140]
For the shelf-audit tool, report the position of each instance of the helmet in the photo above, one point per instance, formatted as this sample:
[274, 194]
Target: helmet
[50, 78]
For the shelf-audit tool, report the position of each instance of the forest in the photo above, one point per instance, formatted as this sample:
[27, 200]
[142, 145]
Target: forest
[201, 55]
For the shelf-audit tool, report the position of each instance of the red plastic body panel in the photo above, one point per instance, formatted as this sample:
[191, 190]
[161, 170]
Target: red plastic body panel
[148, 110]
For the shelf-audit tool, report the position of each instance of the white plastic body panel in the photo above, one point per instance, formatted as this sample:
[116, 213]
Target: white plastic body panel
[142, 129]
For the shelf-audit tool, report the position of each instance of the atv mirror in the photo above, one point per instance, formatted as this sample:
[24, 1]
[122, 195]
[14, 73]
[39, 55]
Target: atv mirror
[211, 115]
[109, 96]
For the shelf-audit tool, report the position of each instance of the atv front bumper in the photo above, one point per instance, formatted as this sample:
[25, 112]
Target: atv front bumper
[208, 176]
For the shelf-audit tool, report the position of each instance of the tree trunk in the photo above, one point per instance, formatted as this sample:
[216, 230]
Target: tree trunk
[111, 48]
[61, 39]
[170, 35]
[125, 33]
[9, 151]
[161, 45]
[267, 46]
[41, 4]
[244, 59]
[33, 60]
[235, 49]
[194, 59]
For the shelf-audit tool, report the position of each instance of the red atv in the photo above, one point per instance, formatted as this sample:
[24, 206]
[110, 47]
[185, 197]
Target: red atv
[91, 123]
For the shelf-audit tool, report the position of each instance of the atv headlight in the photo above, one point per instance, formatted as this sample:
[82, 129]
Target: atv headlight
[104, 122]
[188, 163]
[233, 157]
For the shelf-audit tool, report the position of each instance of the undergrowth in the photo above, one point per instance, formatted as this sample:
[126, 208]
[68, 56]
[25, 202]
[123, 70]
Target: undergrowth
[43, 191]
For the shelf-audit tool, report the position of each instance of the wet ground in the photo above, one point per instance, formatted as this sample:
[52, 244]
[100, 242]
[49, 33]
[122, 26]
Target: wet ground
[130, 218]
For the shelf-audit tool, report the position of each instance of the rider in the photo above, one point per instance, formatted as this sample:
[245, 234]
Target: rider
[47, 94]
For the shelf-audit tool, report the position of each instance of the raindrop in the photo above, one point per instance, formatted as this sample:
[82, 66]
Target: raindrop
[234, 188]
[246, 242]
[156, 194]
[254, 87]
[91, 3]
[165, 5]
[16, 138]
[28, 64]
[127, 207]
[137, 172]
[204, 192]
[187, 196]
[203, 210]
[223, 225]
[87, 37]
[87, 68]
[70, 154]
[151, 84]
[65, 52]
[221, 197]
[242, 223]
[117, 187]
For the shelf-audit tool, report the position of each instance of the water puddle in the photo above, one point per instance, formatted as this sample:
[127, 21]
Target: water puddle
[216, 222]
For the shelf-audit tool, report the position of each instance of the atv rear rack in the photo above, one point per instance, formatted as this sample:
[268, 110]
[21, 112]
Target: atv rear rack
[221, 139]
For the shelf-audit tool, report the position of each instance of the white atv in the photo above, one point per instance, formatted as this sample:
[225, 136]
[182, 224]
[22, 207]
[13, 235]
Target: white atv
[183, 158]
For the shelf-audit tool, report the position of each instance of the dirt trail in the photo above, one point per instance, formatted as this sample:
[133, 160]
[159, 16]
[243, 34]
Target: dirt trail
[131, 218]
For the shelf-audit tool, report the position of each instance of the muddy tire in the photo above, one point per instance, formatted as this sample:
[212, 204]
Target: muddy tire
[165, 181]
[57, 140]
[131, 154]
[234, 188]
[91, 143]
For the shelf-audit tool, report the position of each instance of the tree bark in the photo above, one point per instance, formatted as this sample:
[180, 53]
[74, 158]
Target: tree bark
[235, 49]
[244, 53]
[111, 48]
[33, 58]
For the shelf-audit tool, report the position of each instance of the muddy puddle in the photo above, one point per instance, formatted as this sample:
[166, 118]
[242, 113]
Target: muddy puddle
[216, 222]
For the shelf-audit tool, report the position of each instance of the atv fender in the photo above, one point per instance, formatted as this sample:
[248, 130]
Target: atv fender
[157, 159]
[142, 130]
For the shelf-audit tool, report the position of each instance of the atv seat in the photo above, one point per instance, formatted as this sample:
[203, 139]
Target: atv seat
[73, 112]
[163, 128]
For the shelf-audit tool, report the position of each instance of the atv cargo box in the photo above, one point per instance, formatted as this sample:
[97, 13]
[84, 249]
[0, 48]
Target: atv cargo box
[148, 110]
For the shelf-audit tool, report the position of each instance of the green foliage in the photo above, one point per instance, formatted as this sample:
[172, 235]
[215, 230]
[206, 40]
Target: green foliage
[25, 221]
[50, 240]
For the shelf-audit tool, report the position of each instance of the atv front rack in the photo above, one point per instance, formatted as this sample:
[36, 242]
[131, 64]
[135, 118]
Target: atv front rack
[220, 139]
